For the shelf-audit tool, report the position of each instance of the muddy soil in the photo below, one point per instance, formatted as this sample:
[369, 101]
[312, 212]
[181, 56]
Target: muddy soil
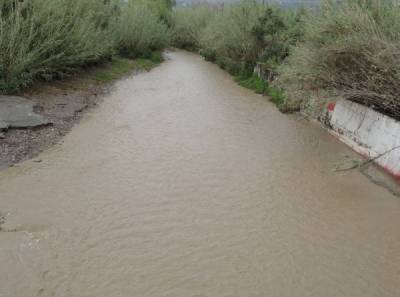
[63, 103]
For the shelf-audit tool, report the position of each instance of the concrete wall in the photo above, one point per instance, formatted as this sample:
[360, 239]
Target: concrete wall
[368, 132]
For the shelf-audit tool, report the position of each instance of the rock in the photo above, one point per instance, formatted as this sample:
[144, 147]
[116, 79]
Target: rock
[3, 125]
[2, 135]
[17, 112]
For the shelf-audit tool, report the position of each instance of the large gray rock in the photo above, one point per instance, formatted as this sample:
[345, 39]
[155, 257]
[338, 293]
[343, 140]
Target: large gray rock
[3, 125]
[17, 112]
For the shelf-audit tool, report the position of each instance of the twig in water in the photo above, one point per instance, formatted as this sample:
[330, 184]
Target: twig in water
[359, 164]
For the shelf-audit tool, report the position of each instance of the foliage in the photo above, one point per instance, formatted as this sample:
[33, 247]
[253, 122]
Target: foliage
[260, 86]
[161, 7]
[139, 30]
[276, 32]
[228, 37]
[350, 49]
[254, 83]
[238, 36]
[47, 39]
[42, 39]
[120, 66]
[187, 24]
[277, 96]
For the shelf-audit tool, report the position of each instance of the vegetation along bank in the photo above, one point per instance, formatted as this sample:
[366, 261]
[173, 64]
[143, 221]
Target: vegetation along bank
[307, 56]
[59, 55]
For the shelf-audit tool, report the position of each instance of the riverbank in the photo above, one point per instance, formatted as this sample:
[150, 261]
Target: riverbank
[371, 137]
[62, 103]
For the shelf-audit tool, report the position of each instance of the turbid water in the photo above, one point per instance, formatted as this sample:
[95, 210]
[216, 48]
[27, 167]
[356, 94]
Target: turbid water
[183, 184]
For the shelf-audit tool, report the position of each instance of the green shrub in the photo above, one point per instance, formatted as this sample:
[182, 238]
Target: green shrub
[42, 39]
[254, 83]
[139, 30]
[260, 86]
[156, 57]
[161, 7]
[276, 95]
[351, 49]
[187, 24]
[229, 39]
[248, 32]
[276, 32]
[244, 34]
[47, 39]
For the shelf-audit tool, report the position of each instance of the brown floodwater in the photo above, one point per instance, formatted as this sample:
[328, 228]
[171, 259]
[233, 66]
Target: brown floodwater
[183, 184]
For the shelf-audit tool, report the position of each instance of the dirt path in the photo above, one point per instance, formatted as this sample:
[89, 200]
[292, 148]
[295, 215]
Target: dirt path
[184, 184]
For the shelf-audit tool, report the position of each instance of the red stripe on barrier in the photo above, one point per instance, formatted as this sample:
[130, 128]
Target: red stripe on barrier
[331, 106]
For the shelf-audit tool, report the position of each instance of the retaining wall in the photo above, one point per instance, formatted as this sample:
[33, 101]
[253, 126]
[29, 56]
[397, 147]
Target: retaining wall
[368, 132]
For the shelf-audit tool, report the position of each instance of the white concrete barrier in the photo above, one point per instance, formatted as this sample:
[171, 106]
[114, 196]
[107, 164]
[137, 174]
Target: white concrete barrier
[368, 132]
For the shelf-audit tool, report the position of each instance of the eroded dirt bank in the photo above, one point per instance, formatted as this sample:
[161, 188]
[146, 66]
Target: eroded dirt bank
[184, 184]
[60, 104]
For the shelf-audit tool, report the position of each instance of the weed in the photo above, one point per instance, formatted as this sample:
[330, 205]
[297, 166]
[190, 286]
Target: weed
[253, 83]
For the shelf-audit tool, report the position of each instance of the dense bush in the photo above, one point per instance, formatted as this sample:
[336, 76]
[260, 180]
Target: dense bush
[229, 40]
[277, 31]
[161, 7]
[351, 49]
[139, 30]
[346, 48]
[40, 38]
[187, 25]
[238, 36]
[43, 39]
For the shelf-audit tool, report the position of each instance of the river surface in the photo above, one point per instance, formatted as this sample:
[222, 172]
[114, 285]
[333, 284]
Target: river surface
[183, 184]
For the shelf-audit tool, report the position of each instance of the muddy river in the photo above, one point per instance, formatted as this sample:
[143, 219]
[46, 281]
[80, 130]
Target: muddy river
[183, 184]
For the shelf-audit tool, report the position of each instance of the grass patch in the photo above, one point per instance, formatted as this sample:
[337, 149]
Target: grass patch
[253, 83]
[105, 73]
[120, 67]
[276, 96]
[260, 86]
[156, 57]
